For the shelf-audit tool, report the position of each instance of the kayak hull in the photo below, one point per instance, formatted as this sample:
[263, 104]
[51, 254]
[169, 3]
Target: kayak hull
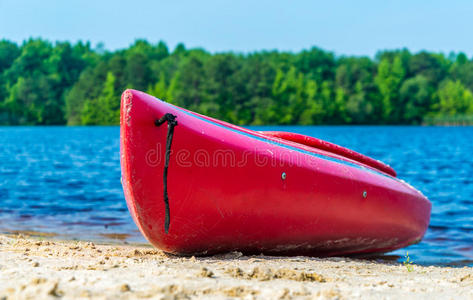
[233, 189]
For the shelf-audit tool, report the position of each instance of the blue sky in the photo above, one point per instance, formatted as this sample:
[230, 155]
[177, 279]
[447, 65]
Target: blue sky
[346, 27]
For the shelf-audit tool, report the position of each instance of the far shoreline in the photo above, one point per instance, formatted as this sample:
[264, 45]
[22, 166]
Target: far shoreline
[261, 126]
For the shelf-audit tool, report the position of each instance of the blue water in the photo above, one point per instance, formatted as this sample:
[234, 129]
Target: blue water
[66, 181]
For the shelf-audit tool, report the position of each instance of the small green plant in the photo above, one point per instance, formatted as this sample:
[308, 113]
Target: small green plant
[408, 263]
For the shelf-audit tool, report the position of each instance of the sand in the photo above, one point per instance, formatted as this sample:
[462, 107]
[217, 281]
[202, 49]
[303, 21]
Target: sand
[33, 268]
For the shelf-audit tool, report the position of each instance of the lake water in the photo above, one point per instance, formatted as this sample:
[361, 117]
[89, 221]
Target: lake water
[66, 181]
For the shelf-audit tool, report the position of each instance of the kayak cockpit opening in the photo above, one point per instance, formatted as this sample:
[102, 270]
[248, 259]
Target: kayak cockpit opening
[331, 148]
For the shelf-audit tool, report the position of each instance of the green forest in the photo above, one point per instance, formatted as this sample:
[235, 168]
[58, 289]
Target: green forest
[62, 83]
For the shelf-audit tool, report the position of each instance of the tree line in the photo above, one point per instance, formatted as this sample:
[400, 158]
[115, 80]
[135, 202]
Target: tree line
[44, 83]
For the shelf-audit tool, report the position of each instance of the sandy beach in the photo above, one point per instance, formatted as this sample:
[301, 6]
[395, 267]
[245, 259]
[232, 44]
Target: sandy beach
[38, 268]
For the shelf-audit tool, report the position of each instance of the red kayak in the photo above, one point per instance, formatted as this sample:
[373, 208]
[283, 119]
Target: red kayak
[195, 185]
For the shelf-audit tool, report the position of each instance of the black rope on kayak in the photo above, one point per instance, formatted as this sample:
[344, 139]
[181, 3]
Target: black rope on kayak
[171, 119]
